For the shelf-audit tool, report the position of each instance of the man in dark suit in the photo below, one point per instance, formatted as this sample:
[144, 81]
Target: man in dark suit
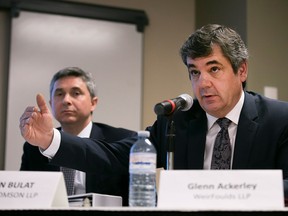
[216, 58]
[73, 100]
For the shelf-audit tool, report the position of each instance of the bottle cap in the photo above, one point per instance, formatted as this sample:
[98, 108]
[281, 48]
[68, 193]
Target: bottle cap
[143, 133]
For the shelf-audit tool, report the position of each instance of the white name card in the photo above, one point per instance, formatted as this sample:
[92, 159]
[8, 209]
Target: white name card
[19, 189]
[221, 189]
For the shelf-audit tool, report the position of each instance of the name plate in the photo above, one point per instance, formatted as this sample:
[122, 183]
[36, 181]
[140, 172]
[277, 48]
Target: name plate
[221, 189]
[19, 189]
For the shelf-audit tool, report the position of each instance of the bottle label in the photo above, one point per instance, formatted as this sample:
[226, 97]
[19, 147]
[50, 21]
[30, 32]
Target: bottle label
[142, 162]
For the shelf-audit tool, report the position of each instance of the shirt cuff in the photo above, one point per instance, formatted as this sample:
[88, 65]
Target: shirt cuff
[54, 146]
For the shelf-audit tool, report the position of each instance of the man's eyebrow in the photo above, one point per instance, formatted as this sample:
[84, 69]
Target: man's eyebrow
[58, 89]
[213, 62]
[190, 65]
[207, 63]
[76, 88]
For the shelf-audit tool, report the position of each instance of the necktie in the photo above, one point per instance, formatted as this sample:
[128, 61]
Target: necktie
[221, 157]
[69, 177]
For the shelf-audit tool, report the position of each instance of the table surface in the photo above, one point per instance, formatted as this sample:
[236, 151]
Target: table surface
[128, 211]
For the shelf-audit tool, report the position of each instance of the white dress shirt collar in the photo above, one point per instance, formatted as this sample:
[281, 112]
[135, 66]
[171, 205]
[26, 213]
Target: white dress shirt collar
[233, 115]
[85, 133]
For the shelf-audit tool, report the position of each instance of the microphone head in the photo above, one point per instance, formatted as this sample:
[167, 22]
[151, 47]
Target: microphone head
[189, 101]
[164, 108]
[183, 102]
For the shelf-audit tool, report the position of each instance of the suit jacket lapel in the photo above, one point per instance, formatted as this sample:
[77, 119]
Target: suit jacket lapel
[196, 145]
[197, 130]
[96, 132]
[246, 132]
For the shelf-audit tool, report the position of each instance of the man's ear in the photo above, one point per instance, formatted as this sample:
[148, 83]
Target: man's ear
[243, 71]
[94, 102]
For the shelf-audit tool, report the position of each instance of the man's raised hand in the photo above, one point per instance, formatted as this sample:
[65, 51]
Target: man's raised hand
[36, 124]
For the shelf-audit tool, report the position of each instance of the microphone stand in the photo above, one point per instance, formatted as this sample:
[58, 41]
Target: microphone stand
[167, 108]
[170, 134]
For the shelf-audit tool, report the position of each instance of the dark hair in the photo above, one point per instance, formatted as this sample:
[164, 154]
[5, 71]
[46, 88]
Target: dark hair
[76, 72]
[199, 44]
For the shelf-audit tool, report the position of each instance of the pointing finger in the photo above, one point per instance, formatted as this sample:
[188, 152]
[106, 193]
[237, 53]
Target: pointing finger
[42, 104]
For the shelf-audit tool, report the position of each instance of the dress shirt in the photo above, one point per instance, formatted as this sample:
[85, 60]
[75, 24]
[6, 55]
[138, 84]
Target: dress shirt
[213, 129]
[80, 177]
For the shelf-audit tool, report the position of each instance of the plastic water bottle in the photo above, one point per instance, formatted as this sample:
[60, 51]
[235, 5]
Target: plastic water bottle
[142, 170]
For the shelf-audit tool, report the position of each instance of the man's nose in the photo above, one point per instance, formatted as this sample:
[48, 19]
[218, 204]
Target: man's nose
[66, 98]
[204, 80]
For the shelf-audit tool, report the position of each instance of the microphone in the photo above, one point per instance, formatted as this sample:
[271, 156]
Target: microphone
[183, 102]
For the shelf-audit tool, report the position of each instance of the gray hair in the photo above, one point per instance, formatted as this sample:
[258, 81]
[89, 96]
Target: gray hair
[76, 72]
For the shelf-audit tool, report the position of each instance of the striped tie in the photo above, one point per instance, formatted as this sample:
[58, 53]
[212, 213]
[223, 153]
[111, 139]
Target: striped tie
[69, 177]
